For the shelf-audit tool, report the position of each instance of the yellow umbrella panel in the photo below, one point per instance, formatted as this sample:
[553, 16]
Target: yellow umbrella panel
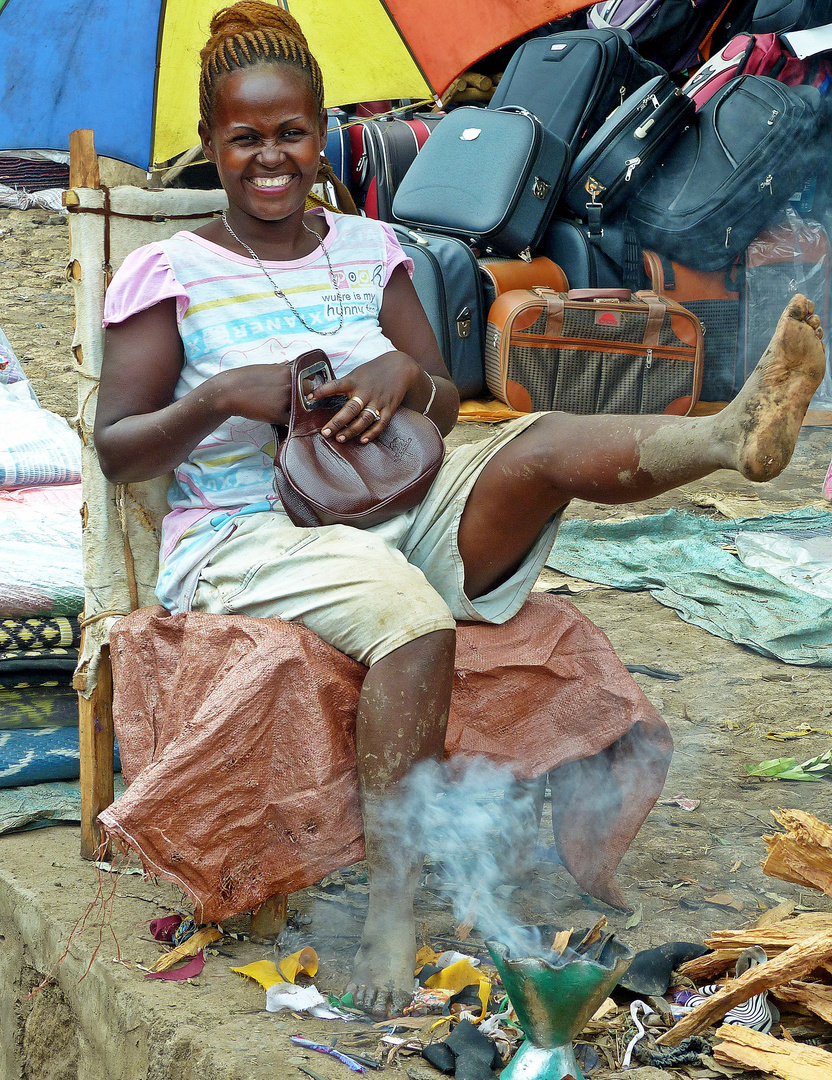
[361, 54]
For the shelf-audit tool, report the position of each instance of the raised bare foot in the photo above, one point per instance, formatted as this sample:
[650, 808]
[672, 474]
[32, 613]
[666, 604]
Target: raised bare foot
[762, 423]
[382, 974]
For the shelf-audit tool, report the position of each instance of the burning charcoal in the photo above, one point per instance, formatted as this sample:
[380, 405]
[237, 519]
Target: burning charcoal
[592, 935]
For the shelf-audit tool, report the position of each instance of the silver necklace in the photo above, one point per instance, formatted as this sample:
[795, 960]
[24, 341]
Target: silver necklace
[281, 295]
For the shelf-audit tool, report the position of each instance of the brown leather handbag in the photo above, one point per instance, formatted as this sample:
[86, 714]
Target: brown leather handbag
[324, 482]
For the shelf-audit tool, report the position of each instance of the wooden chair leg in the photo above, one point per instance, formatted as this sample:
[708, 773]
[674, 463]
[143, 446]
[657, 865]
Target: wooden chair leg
[269, 921]
[96, 740]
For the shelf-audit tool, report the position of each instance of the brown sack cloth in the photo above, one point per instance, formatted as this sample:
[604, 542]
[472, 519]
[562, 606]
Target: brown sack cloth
[237, 739]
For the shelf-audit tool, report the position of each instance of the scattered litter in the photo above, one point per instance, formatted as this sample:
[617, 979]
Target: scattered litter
[682, 802]
[291, 996]
[654, 673]
[164, 928]
[111, 868]
[185, 928]
[320, 1048]
[192, 947]
[638, 1007]
[281, 991]
[786, 768]
[189, 971]
[788, 736]
[267, 973]
[427, 1000]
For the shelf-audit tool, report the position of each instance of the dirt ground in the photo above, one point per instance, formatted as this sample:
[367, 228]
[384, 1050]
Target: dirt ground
[688, 872]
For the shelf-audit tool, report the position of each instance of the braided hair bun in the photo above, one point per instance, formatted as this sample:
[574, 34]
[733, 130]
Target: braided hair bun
[247, 15]
[254, 32]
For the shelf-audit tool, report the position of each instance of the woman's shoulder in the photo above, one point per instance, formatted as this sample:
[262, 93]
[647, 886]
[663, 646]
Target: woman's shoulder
[146, 276]
[354, 227]
[365, 236]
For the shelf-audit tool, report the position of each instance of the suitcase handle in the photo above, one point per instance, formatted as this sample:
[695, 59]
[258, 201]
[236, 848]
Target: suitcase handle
[599, 294]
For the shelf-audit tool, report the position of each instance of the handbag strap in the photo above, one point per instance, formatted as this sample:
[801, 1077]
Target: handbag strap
[555, 308]
[656, 312]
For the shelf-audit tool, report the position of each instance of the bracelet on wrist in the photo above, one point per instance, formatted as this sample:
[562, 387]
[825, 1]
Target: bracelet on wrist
[426, 409]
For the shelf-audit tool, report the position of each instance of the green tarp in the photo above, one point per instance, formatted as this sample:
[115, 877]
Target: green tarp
[686, 563]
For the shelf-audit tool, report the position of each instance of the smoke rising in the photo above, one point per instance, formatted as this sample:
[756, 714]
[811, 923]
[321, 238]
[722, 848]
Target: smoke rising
[480, 824]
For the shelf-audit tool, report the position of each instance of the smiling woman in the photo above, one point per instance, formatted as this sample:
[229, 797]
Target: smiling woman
[202, 330]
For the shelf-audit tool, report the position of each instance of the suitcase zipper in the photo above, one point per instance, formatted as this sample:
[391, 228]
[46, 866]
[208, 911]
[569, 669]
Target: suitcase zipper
[443, 305]
[671, 352]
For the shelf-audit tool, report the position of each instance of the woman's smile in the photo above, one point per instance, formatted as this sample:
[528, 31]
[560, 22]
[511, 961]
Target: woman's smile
[265, 137]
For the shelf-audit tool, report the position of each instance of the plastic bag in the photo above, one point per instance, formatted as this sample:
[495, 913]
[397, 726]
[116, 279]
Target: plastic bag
[804, 563]
[36, 446]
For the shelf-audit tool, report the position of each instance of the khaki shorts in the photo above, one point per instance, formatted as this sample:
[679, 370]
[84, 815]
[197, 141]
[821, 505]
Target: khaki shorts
[370, 591]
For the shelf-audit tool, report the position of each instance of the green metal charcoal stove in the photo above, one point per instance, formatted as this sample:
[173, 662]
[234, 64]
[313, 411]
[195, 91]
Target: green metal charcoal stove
[554, 996]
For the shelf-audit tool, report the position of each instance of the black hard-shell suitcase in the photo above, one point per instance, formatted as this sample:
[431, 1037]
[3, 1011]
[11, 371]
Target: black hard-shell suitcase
[580, 254]
[572, 81]
[383, 151]
[491, 177]
[780, 16]
[616, 161]
[730, 173]
[447, 280]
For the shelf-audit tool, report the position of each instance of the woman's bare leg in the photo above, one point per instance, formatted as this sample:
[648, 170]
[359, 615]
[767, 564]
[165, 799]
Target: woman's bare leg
[617, 459]
[402, 716]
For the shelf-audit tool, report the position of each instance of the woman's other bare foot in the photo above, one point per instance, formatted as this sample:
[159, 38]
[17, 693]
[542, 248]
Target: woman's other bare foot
[382, 974]
[761, 425]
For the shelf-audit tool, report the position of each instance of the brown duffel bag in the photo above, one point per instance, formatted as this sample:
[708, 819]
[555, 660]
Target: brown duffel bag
[593, 351]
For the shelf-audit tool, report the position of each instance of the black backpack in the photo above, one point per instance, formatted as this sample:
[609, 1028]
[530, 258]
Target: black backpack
[730, 173]
[779, 16]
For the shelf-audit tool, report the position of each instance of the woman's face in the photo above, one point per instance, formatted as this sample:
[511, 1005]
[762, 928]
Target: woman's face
[265, 138]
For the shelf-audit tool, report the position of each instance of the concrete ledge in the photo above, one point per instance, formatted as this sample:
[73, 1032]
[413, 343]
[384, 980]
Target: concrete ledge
[113, 1024]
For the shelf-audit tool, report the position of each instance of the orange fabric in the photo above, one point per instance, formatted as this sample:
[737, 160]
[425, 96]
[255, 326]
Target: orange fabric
[468, 30]
[237, 740]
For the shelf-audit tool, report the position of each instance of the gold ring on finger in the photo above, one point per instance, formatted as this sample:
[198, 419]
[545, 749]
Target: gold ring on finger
[355, 397]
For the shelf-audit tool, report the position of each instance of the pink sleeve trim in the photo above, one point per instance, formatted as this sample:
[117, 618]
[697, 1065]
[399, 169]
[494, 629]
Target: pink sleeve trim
[144, 278]
[394, 254]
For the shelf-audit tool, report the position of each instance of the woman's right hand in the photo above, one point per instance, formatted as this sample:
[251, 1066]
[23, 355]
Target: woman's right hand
[260, 392]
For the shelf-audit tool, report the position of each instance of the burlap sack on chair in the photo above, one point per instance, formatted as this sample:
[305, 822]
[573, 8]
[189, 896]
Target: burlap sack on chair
[237, 737]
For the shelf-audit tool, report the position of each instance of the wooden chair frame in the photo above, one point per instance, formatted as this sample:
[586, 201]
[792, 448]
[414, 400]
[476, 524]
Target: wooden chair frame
[123, 506]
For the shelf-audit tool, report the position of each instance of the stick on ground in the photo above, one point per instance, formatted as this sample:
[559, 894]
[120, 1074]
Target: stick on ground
[753, 1050]
[799, 960]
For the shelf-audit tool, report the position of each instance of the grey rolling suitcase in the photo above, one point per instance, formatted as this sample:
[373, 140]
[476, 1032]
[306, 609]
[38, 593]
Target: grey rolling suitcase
[489, 177]
[447, 280]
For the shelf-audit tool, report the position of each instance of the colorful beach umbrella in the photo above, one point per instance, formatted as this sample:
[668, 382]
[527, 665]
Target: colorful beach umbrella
[129, 70]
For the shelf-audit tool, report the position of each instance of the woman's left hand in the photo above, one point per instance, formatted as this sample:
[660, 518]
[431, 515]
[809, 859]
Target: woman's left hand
[375, 390]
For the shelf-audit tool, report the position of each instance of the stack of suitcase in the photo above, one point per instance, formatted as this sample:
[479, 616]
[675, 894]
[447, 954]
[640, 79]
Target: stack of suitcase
[593, 168]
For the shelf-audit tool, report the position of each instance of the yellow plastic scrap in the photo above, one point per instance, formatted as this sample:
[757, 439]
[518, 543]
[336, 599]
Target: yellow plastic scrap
[267, 974]
[456, 977]
[304, 962]
[426, 955]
